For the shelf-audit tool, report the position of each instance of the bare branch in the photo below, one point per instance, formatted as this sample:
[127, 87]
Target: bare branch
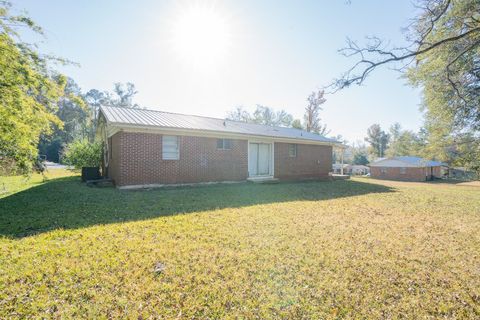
[376, 48]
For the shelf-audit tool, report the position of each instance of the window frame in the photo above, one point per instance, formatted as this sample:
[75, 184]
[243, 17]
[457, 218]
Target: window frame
[224, 144]
[295, 149]
[383, 170]
[177, 149]
[403, 170]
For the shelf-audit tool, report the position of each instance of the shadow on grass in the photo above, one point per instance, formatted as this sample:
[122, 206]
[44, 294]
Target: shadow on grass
[67, 203]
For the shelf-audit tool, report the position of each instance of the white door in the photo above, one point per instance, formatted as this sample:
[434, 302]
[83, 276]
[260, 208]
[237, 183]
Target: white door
[263, 159]
[259, 159]
[253, 159]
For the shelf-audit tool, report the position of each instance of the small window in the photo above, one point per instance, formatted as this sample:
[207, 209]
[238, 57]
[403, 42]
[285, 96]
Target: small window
[403, 170]
[170, 149]
[224, 144]
[383, 170]
[292, 150]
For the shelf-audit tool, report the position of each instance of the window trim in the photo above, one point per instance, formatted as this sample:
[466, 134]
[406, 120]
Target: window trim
[383, 170]
[295, 148]
[224, 148]
[177, 148]
[403, 170]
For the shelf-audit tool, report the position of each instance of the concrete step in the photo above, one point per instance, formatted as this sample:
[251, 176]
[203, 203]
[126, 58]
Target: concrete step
[263, 180]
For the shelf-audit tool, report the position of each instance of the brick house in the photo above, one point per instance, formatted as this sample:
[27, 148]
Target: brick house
[407, 168]
[149, 148]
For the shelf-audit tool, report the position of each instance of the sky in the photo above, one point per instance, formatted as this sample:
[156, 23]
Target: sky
[207, 57]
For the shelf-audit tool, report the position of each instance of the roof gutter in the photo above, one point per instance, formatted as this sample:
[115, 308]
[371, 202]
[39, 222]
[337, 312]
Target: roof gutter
[212, 133]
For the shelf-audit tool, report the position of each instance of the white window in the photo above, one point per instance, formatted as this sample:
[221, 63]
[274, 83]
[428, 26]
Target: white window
[292, 150]
[224, 144]
[170, 149]
[383, 170]
[403, 170]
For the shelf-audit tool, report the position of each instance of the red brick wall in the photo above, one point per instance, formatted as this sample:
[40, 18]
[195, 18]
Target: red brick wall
[114, 161]
[437, 172]
[137, 160]
[411, 174]
[312, 161]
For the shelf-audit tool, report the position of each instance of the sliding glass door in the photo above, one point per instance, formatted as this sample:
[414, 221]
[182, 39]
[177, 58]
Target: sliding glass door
[259, 159]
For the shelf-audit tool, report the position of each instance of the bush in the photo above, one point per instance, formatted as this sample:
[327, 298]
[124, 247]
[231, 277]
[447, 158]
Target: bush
[82, 153]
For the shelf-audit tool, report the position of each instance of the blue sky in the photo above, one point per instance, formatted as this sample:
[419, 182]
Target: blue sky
[277, 53]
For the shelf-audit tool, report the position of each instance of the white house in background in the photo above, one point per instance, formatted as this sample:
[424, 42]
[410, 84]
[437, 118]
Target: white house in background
[337, 168]
[350, 169]
[358, 169]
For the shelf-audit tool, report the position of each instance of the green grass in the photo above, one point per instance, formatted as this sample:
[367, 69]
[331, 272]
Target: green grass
[344, 249]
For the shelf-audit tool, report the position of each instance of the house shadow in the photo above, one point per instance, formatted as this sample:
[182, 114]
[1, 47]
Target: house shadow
[66, 203]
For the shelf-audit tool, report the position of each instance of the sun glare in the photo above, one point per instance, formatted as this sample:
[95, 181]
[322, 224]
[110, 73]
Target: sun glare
[201, 36]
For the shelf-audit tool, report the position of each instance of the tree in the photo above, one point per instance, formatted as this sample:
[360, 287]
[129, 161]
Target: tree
[408, 143]
[239, 114]
[78, 112]
[297, 124]
[262, 115]
[442, 57]
[124, 95]
[378, 140]
[95, 99]
[395, 131]
[82, 153]
[360, 159]
[312, 113]
[74, 114]
[28, 93]
[268, 116]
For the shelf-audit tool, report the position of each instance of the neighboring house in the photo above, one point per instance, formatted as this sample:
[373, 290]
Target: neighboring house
[146, 147]
[337, 168]
[357, 169]
[351, 169]
[407, 168]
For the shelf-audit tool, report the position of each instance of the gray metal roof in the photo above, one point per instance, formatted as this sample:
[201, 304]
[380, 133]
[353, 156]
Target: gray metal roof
[157, 119]
[417, 161]
[414, 161]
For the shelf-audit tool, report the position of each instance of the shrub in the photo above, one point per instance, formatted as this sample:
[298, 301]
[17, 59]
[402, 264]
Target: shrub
[82, 153]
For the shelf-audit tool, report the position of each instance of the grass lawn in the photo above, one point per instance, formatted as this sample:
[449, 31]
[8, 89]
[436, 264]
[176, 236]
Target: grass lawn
[345, 249]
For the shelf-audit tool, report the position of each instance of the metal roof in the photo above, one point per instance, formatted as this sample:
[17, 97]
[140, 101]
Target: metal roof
[413, 161]
[419, 161]
[160, 119]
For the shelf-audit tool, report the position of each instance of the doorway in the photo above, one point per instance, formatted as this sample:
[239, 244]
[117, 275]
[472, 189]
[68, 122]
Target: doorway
[259, 159]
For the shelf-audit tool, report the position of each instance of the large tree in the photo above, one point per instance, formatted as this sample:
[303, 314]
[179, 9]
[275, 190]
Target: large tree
[443, 58]
[378, 140]
[78, 112]
[312, 121]
[123, 95]
[77, 123]
[408, 143]
[28, 94]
